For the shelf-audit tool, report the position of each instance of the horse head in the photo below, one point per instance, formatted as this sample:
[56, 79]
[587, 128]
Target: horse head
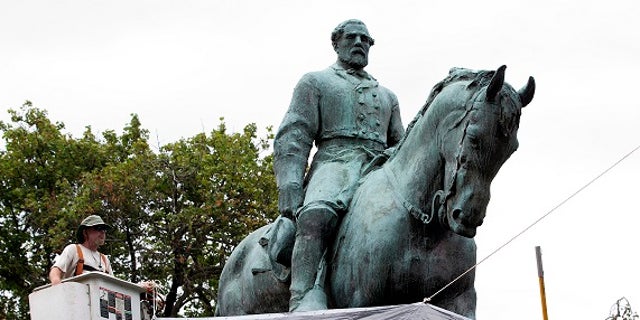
[476, 141]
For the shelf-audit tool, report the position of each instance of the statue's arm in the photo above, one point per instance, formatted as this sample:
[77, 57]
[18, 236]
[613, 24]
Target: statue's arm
[396, 129]
[292, 146]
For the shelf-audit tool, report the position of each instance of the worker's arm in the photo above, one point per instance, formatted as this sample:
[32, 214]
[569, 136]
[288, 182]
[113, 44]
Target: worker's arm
[55, 275]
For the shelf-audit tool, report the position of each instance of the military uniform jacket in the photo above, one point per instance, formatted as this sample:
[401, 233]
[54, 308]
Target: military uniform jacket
[334, 104]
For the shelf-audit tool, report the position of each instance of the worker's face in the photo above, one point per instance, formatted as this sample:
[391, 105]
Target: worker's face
[96, 235]
[353, 46]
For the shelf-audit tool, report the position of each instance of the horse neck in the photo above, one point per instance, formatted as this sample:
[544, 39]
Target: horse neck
[418, 164]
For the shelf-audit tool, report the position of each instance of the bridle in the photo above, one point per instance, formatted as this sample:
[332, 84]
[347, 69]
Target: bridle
[441, 196]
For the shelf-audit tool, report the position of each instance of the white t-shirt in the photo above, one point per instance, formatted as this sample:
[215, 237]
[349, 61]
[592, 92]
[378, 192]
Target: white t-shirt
[68, 260]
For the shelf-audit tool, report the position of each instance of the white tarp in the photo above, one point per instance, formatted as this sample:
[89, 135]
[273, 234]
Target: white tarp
[415, 311]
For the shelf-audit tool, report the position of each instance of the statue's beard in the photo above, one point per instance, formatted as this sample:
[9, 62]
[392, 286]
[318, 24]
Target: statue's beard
[355, 61]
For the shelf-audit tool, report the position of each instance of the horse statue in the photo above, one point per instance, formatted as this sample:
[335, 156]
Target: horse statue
[410, 226]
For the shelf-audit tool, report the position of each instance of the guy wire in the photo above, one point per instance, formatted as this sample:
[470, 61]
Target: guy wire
[426, 300]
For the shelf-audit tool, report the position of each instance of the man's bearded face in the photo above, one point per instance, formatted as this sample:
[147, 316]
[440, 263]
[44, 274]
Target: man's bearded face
[353, 46]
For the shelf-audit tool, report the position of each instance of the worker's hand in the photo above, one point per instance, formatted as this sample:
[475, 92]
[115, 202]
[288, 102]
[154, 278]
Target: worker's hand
[290, 198]
[147, 285]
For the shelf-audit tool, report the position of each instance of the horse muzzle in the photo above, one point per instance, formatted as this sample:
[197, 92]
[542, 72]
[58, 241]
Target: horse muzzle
[461, 219]
[464, 223]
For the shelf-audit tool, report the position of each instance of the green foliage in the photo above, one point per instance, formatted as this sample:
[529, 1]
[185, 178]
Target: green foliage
[39, 173]
[214, 189]
[177, 214]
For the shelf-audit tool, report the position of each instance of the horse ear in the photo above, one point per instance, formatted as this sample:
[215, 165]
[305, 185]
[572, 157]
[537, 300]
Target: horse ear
[526, 93]
[496, 83]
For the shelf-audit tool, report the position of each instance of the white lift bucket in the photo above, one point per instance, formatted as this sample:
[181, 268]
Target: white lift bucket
[89, 296]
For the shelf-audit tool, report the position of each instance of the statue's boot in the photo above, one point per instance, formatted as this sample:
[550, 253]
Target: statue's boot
[314, 231]
[314, 299]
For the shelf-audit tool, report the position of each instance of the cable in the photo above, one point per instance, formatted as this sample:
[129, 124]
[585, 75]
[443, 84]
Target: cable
[533, 224]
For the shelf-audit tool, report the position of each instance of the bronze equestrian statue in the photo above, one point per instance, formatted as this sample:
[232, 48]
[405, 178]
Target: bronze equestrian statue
[410, 225]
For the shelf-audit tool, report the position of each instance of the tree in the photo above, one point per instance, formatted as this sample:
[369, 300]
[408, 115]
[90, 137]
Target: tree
[122, 192]
[213, 191]
[180, 213]
[40, 173]
[621, 310]
[177, 214]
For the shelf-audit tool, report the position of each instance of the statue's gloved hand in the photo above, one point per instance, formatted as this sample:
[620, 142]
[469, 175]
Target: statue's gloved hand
[290, 198]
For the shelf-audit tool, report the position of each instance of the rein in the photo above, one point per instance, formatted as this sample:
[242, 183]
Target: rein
[411, 209]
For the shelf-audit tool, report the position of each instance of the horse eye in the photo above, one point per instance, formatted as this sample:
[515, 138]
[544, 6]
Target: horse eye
[473, 141]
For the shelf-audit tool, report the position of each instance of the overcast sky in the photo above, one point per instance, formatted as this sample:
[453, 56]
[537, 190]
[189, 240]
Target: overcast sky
[181, 65]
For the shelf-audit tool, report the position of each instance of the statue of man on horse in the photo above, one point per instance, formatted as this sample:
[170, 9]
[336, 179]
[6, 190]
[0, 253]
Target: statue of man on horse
[383, 216]
[351, 119]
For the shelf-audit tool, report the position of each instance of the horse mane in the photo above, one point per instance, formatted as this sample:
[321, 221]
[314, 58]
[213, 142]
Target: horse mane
[478, 78]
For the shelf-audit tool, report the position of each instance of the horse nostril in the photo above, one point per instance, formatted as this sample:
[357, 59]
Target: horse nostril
[456, 213]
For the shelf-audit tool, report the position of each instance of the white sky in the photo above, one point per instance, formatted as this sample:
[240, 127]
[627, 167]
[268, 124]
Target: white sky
[181, 65]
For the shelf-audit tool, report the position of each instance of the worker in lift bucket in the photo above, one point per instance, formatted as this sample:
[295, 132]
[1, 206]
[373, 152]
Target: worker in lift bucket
[84, 256]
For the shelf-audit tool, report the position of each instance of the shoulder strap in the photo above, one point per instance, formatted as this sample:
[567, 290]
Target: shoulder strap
[80, 265]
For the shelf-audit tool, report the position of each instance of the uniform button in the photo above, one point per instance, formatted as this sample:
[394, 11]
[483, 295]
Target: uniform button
[377, 123]
[361, 116]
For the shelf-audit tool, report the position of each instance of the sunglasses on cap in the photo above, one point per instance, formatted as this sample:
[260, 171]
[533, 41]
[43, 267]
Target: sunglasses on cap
[100, 228]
